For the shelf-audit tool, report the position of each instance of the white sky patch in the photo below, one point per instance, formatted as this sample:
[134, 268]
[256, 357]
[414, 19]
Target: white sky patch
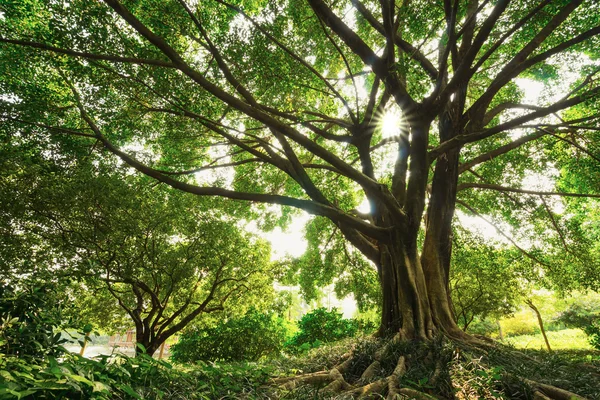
[482, 228]
[364, 206]
[139, 150]
[350, 17]
[540, 182]
[10, 98]
[288, 242]
[224, 176]
[531, 89]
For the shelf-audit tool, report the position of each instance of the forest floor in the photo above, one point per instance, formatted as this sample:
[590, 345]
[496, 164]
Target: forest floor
[440, 369]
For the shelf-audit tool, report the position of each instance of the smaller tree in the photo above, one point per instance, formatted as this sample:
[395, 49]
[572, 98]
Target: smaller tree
[164, 258]
[584, 314]
[485, 279]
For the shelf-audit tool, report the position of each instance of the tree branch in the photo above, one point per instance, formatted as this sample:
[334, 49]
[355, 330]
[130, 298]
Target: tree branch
[499, 188]
[90, 56]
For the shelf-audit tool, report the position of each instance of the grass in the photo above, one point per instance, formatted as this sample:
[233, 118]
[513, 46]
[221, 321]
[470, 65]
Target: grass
[566, 339]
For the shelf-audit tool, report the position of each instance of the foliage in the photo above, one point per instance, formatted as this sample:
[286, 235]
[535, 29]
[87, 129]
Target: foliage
[521, 323]
[484, 326]
[593, 332]
[486, 278]
[247, 338]
[34, 365]
[585, 315]
[321, 326]
[289, 112]
[136, 255]
[31, 321]
[121, 377]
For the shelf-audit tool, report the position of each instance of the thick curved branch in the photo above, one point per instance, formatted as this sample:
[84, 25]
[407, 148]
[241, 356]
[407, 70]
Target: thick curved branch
[499, 188]
[89, 56]
[514, 123]
[464, 72]
[253, 112]
[520, 63]
[233, 81]
[365, 53]
[408, 48]
[506, 106]
[509, 33]
[292, 54]
[311, 207]
[490, 155]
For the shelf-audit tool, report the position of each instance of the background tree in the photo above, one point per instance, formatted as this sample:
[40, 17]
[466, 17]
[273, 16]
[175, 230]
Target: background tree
[287, 99]
[486, 279]
[164, 259]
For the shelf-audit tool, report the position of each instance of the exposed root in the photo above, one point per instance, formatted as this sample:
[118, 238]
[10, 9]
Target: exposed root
[537, 395]
[338, 384]
[421, 371]
[343, 366]
[314, 378]
[393, 380]
[552, 392]
[371, 371]
[365, 391]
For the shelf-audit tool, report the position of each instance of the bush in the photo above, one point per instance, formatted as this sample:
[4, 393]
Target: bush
[586, 316]
[483, 326]
[593, 332]
[321, 326]
[30, 322]
[521, 324]
[249, 338]
[122, 377]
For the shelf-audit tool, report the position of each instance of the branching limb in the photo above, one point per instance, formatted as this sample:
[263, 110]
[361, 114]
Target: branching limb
[499, 188]
[89, 56]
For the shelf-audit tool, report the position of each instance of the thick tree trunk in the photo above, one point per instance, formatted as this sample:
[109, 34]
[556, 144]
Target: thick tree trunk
[437, 247]
[405, 301]
[151, 344]
[415, 287]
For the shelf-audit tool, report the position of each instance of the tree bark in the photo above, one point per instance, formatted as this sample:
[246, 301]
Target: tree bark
[415, 285]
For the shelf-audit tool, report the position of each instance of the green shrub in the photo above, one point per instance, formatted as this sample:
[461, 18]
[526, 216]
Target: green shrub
[521, 324]
[249, 338]
[122, 377]
[584, 315]
[483, 326]
[321, 326]
[30, 322]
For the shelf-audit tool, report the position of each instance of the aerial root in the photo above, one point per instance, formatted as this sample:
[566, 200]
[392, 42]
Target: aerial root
[545, 391]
